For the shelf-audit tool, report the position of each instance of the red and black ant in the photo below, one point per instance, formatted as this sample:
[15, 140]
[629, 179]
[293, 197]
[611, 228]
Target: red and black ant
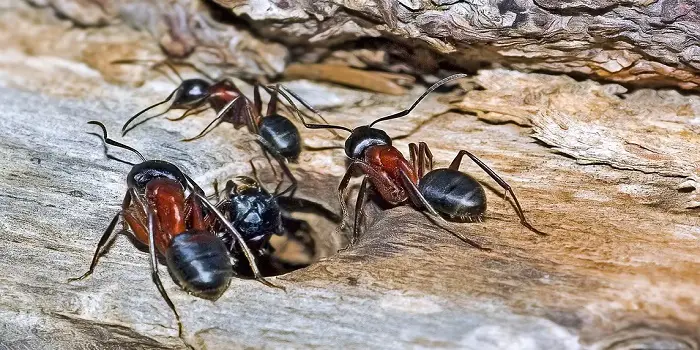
[276, 134]
[443, 192]
[173, 225]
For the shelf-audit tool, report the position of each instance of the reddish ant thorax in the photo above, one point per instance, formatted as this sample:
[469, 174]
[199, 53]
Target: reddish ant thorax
[174, 214]
[221, 93]
[386, 162]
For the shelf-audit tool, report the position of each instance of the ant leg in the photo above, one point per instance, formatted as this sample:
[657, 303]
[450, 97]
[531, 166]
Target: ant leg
[255, 174]
[418, 200]
[420, 157]
[257, 101]
[426, 155]
[244, 247]
[297, 204]
[413, 156]
[217, 120]
[359, 211]
[193, 186]
[107, 237]
[272, 167]
[190, 112]
[283, 164]
[272, 105]
[284, 92]
[342, 187]
[154, 265]
[125, 127]
[455, 166]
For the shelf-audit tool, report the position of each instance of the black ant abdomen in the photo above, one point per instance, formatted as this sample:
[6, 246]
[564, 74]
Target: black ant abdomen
[282, 136]
[454, 194]
[200, 263]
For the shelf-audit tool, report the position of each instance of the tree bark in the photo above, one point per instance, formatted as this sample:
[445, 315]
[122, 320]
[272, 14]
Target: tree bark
[610, 174]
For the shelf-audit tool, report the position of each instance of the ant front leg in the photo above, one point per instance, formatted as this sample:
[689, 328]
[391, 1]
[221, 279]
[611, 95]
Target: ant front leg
[342, 191]
[455, 166]
[107, 237]
[359, 210]
[282, 163]
[154, 264]
[419, 201]
[236, 106]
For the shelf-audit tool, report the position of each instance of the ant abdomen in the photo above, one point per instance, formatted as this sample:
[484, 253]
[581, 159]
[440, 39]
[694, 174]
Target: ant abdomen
[454, 194]
[143, 173]
[200, 263]
[282, 135]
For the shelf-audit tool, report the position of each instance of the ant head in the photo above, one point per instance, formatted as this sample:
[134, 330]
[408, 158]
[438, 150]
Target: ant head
[141, 174]
[363, 137]
[191, 92]
[245, 184]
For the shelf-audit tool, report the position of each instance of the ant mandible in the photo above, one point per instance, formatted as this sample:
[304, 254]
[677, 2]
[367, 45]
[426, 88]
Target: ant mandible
[443, 192]
[159, 215]
[276, 134]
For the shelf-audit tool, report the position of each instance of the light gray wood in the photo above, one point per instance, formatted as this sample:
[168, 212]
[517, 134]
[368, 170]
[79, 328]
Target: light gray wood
[620, 269]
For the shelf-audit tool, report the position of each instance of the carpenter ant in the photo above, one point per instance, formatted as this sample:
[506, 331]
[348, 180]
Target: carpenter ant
[173, 225]
[259, 215]
[443, 192]
[276, 134]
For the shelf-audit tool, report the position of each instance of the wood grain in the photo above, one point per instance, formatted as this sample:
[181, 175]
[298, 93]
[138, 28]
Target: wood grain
[608, 173]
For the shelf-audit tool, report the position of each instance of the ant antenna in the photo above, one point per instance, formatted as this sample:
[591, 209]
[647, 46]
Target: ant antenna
[126, 125]
[115, 143]
[283, 92]
[430, 89]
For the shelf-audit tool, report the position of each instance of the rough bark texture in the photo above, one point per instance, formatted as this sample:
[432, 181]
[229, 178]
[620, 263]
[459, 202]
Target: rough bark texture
[609, 174]
[641, 43]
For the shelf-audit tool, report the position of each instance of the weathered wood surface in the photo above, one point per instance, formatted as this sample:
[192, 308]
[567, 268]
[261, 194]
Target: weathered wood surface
[635, 42]
[611, 176]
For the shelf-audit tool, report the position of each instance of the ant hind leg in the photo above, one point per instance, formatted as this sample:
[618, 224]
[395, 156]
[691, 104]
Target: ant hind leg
[509, 190]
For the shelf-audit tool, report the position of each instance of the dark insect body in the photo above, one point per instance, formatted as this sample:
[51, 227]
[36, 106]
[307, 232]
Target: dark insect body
[259, 216]
[444, 193]
[173, 225]
[276, 134]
